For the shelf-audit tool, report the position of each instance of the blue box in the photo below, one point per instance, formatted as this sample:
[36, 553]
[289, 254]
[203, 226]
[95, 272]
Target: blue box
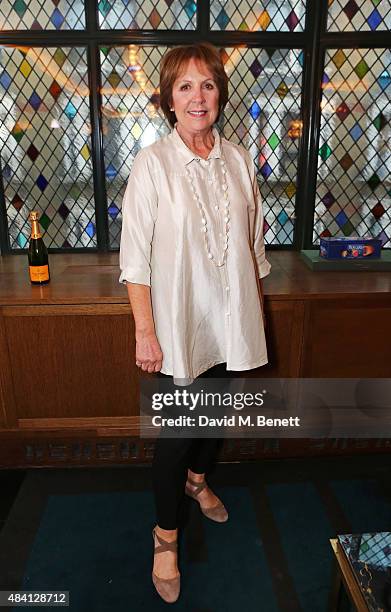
[351, 247]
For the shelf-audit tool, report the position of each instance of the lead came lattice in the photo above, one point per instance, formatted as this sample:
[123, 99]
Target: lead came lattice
[263, 114]
[360, 16]
[248, 16]
[46, 145]
[148, 14]
[44, 15]
[354, 164]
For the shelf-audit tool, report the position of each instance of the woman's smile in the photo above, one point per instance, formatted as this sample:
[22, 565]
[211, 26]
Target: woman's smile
[201, 113]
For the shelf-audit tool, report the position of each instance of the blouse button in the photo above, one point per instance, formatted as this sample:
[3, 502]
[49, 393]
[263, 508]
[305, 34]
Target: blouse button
[216, 208]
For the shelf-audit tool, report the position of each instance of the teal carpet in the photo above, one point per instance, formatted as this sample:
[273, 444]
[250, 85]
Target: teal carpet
[88, 531]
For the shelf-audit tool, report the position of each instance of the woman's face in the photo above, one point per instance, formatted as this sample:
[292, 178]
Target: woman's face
[195, 98]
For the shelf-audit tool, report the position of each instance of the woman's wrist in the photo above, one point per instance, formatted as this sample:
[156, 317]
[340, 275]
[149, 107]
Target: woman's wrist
[145, 332]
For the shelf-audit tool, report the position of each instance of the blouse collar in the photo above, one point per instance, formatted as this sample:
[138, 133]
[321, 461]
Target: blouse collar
[188, 155]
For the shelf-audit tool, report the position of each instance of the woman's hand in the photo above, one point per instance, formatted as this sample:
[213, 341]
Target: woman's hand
[149, 355]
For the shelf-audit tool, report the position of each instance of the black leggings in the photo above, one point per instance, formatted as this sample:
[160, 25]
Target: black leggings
[172, 458]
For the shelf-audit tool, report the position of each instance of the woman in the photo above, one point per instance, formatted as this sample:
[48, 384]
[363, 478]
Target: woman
[192, 254]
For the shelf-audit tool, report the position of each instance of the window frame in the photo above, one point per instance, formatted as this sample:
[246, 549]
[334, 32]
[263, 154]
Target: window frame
[314, 41]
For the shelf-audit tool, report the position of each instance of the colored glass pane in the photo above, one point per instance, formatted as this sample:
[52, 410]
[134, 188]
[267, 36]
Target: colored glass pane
[354, 164]
[41, 15]
[246, 15]
[45, 143]
[147, 15]
[131, 118]
[363, 15]
[257, 116]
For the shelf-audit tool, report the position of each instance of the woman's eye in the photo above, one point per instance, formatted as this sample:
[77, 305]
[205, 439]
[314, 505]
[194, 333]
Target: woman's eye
[209, 86]
[183, 87]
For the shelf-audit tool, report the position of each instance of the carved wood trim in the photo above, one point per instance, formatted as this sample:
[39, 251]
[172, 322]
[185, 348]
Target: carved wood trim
[69, 309]
[86, 449]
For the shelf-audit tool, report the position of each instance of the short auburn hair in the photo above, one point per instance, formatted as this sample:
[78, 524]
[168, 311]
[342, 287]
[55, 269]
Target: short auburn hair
[174, 62]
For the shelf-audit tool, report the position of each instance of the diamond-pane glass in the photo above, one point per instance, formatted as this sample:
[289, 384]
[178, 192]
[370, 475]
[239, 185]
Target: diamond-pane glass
[131, 118]
[147, 14]
[263, 114]
[45, 144]
[42, 15]
[354, 161]
[363, 15]
[248, 16]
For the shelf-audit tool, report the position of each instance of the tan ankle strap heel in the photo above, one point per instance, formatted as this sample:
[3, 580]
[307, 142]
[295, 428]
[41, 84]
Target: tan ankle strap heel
[217, 513]
[200, 486]
[168, 588]
[163, 544]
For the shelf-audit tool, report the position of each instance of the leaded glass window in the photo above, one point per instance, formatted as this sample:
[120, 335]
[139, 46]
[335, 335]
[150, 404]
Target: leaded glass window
[248, 16]
[148, 14]
[75, 112]
[264, 115]
[45, 144]
[131, 117]
[42, 15]
[352, 16]
[354, 163]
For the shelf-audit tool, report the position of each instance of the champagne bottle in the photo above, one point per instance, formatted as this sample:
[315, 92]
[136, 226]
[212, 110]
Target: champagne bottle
[37, 254]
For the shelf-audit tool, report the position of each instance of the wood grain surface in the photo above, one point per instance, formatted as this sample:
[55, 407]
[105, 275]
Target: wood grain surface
[93, 278]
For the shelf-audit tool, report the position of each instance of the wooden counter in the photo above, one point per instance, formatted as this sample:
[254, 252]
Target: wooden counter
[93, 279]
[68, 382]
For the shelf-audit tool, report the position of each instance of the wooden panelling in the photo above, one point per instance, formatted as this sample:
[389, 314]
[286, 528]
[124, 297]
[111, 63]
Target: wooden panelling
[63, 310]
[73, 365]
[7, 401]
[284, 334]
[348, 339]
[69, 386]
[60, 449]
[126, 426]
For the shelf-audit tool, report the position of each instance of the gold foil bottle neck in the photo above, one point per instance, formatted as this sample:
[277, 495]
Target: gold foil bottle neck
[34, 215]
[35, 230]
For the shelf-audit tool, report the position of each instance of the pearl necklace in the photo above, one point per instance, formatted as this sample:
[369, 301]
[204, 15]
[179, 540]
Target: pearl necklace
[204, 225]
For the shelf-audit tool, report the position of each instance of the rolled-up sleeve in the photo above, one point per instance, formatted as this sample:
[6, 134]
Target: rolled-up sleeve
[139, 211]
[263, 265]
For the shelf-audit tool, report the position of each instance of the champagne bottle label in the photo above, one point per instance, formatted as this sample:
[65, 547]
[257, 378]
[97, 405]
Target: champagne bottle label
[39, 273]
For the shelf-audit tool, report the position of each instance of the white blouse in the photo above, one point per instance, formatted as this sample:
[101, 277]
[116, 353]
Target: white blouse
[203, 314]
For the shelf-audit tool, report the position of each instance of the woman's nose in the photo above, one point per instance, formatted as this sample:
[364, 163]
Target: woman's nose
[198, 94]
